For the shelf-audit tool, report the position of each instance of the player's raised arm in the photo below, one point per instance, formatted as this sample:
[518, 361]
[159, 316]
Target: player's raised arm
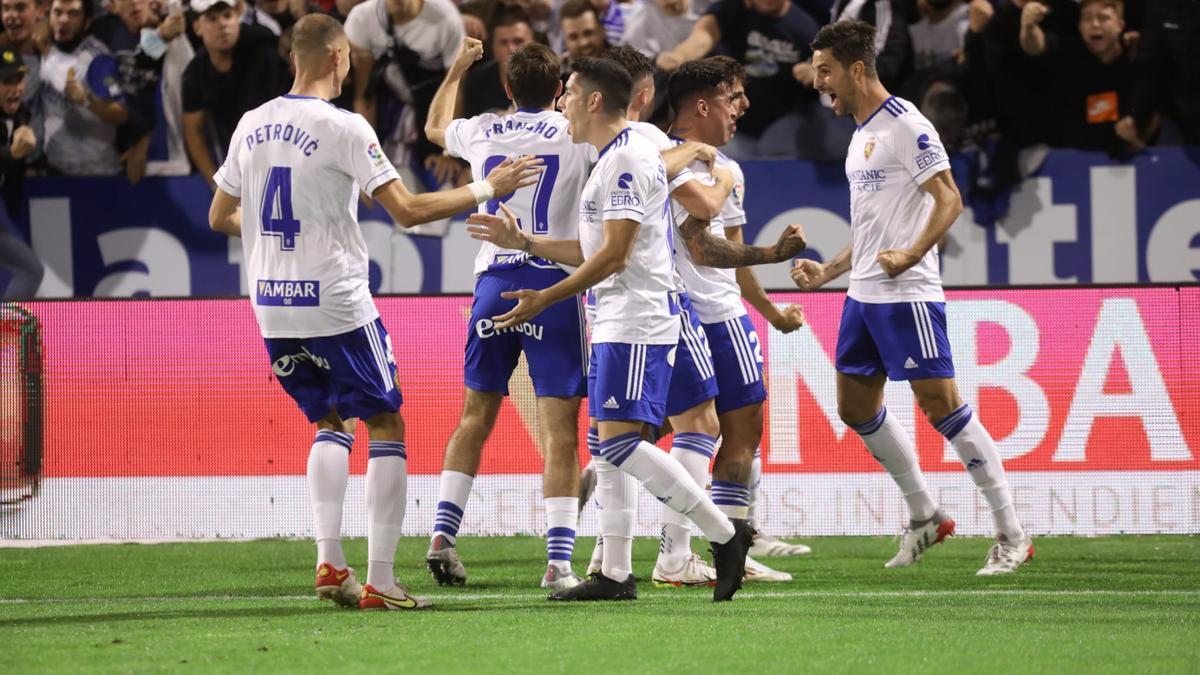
[609, 259]
[441, 110]
[810, 274]
[947, 206]
[783, 320]
[504, 232]
[713, 251]
[408, 209]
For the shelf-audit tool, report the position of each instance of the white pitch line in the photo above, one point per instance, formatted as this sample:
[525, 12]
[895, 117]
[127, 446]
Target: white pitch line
[744, 595]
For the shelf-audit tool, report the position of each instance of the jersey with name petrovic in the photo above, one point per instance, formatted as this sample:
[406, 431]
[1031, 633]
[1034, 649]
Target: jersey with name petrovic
[548, 207]
[890, 156]
[298, 164]
[715, 294]
[638, 304]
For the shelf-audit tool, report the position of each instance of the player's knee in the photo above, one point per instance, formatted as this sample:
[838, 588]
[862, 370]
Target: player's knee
[853, 415]
[387, 426]
[937, 405]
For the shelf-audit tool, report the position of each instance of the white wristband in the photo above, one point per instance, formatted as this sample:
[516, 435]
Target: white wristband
[482, 190]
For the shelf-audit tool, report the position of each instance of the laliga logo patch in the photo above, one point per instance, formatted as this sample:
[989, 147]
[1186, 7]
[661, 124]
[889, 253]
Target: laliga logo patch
[374, 152]
[923, 142]
[739, 190]
[869, 148]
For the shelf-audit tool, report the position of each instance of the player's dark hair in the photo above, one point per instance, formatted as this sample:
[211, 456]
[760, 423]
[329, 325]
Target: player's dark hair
[573, 9]
[87, 5]
[849, 41]
[737, 71]
[533, 76]
[634, 62]
[695, 79]
[606, 77]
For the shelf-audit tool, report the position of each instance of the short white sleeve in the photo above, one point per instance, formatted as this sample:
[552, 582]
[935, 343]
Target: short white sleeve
[364, 30]
[680, 178]
[917, 146]
[229, 177]
[733, 211]
[462, 134]
[371, 167]
[625, 189]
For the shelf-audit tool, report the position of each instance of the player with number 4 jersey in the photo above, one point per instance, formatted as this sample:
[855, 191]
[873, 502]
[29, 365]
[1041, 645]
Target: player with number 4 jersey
[289, 188]
[554, 342]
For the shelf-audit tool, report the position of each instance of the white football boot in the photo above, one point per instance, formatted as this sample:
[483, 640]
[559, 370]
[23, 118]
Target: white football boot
[758, 572]
[1005, 558]
[916, 540]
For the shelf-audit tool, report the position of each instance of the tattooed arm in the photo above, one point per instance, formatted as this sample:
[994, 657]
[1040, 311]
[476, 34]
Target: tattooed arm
[713, 251]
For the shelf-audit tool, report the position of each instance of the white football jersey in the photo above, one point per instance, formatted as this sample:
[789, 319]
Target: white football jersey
[298, 163]
[890, 156]
[638, 305]
[548, 207]
[715, 294]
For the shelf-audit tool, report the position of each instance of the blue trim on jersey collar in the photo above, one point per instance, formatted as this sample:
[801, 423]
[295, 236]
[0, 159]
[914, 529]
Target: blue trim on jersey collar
[622, 133]
[300, 96]
[877, 111]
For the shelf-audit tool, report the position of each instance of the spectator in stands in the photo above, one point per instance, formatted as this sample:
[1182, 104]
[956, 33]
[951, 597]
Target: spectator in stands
[80, 96]
[660, 25]
[26, 33]
[770, 37]
[614, 16]
[1092, 81]
[137, 37]
[18, 145]
[483, 89]
[582, 32]
[238, 69]
[937, 38]
[166, 152]
[277, 16]
[400, 52]
[893, 47]
[1168, 81]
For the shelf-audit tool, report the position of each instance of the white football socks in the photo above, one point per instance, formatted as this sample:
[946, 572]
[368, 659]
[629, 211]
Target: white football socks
[893, 448]
[327, 474]
[978, 453]
[616, 492]
[453, 492]
[694, 451]
[387, 496]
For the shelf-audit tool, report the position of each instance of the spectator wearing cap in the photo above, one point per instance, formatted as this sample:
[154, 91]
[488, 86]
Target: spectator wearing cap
[237, 69]
[22, 21]
[483, 88]
[660, 25]
[400, 51]
[1092, 80]
[18, 146]
[138, 38]
[80, 96]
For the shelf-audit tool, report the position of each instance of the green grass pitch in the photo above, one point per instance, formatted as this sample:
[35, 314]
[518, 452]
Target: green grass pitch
[1118, 604]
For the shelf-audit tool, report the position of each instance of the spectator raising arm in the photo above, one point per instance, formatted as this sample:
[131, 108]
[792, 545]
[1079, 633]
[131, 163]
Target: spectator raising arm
[705, 35]
[441, 110]
[111, 111]
[1033, 38]
[363, 62]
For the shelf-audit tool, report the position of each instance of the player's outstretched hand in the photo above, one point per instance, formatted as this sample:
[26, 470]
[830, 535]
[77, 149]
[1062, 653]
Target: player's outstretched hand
[789, 319]
[502, 231]
[529, 305]
[512, 174]
[896, 261]
[807, 274]
[791, 241]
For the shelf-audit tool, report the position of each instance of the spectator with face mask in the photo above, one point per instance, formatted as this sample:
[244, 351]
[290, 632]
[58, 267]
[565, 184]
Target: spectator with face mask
[18, 146]
[80, 96]
[26, 34]
[1092, 80]
[237, 70]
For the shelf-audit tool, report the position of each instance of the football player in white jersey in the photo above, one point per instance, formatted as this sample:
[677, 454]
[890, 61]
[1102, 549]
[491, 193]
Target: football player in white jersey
[624, 253]
[706, 96]
[903, 200]
[298, 164]
[555, 342]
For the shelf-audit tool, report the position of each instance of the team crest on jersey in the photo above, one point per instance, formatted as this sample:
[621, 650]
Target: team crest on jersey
[869, 147]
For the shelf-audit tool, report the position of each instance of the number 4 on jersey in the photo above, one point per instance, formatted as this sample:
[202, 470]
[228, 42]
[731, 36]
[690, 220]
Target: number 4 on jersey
[277, 199]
